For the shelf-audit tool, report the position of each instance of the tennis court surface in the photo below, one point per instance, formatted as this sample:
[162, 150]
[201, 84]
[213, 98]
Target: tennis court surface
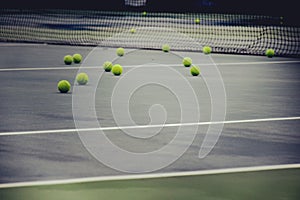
[233, 131]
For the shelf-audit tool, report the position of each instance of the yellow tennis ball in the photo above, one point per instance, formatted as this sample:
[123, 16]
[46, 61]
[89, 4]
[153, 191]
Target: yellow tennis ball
[68, 59]
[166, 48]
[187, 62]
[270, 53]
[206, 50]
[82, 78]
[132, 30]
[77, 58]
[107, 66]
[63, 86]
[195, 71]
[120, 51]
[117, 70]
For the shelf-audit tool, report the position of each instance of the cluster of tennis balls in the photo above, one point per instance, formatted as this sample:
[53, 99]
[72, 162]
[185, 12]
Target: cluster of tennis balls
[82, 78]
[187, 61]
[64, 86]
[76, 58]
[116, 69]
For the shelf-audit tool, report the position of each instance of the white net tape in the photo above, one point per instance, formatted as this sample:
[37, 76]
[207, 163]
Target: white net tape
[135, 3]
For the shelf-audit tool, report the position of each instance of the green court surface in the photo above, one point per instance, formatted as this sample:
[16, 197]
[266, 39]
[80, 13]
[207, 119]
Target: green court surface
[273, 184]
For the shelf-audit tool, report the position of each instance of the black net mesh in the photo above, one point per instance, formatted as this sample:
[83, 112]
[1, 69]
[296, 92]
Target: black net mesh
[225, 33]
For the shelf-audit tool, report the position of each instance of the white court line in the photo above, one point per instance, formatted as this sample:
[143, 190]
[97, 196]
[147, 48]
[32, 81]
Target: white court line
[150, 65]
[151, 176]
[13, 44]
[148, 126]
[45, 68]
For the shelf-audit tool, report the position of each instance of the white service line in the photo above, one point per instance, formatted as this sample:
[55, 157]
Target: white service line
[151, 176]
[259, 62]
[148, 65]
[148, 126]
[44, 68]
[13, 44]
[218, 64]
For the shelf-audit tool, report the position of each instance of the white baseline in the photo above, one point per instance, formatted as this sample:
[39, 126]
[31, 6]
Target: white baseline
[149, 126]
[151, 176]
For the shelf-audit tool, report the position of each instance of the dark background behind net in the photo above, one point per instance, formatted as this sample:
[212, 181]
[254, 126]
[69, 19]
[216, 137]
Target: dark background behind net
[286, 8]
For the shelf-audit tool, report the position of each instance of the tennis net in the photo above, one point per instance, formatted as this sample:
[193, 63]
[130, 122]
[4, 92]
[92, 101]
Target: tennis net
[224, 33]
